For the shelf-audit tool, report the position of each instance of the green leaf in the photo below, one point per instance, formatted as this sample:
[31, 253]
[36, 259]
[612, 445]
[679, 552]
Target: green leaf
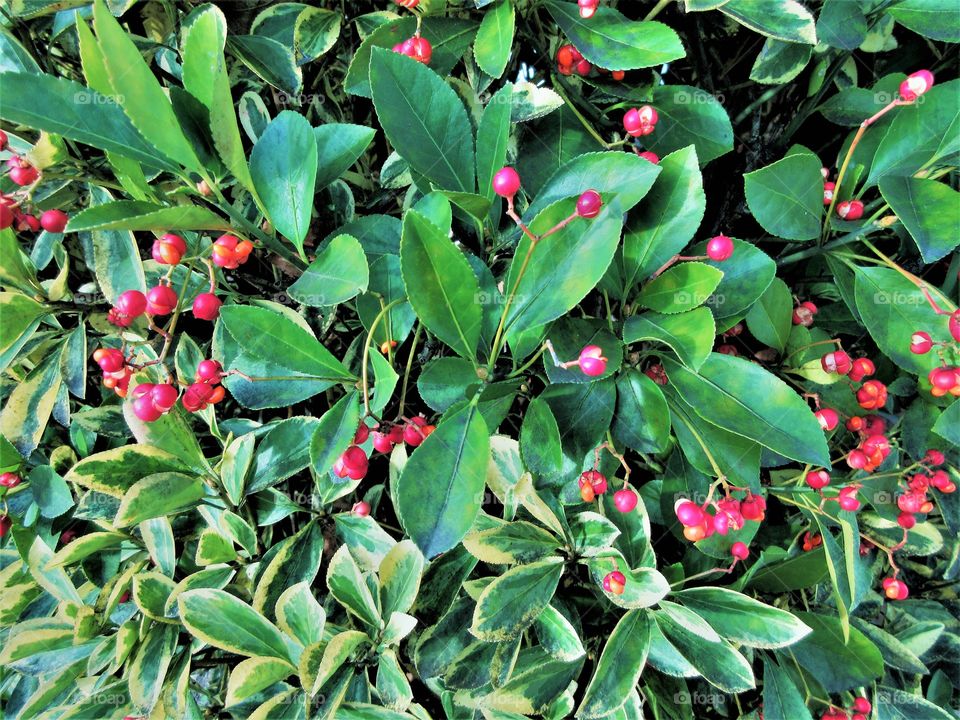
[85, 546]
[642, 420]
[511, 543]
[440, 488]
[435, 138]
[440, 284]
[689, 115]
[770, 318]
[400, 572]
[29, 405]
[283, 451]
[929, 210]
[742, 397]
[842, 24]
[339, 145]
[116, 256]
[782, 19]
[645, 586]
[269, 59]
[253, 675]
[339, 273]
[445, 381]
[138, 91]
[609, 40]
[836, 665]
[495, 38]
[780, 62]
[299, 614]
[742, 619]
[557, 635]
[139, 215]
[714, 658]
[283, 165]
[296, 561]
[935, 19]
[334, 433]
[205, 76]
[892, 309]
[947, 425]
[745, 278]
[680, 288]
[512, 602]
[219, 619]
[781, 698]
[50, 492]
[347, 585]
[666, 218]
[689, 334]
[619, 667]
[113, 472]
[14, 58]
[67, 108]
[19, 314]
[493, 136]
[158, 494]
[786, 198]
[265, 344]
[148, 670]
[540, 440]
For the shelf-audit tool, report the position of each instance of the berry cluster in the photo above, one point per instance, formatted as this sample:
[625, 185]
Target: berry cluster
[729, 514]
[230, 252]
[946, 378]
[205, 389]
[116, 371]
[846, 210]
[570, 61]
[859, 710]
[12, 214]
[354, 463]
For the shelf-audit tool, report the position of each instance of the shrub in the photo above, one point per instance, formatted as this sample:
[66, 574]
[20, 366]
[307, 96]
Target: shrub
[480, 360]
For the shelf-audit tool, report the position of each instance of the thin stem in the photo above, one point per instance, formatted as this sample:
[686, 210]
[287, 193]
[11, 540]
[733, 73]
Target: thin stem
[366, 354]
[657, 9]
[406, 372]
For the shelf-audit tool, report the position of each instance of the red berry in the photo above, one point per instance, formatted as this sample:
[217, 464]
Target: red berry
[906, 520]
[639, 122]
[6, 216]
[361, 509]
[836, 362]
[197, 396]
[164, 396]
[651, 157]
[354, 463]
[408, 4]
[23, 173]
[719, 248]
[382, 442]
[828, 188]
[418, 48]
[916, 85]
[857, 459]
[895, 589]
[920, 342]
[803, 314]
[109, 359]
[618, 75]
[588, 8]
[740, 551]
[206, 306]
[506, 182]
[933, 458]
[850, 210]
[209, 371]
[9, 480]
[588, 204]
[567, 55]
[817, 479]
[169, 249]
[131, 303]
[862, 705]
[3, 140]
[230, 252]
[872, 395]
[688, 513]
[625, 500]
[27, 222]
[753, 508]
[594, 479]
[828, 418]
[953, 324]
[862, 367]
[591, 361]
[614, 582]
[5, 524]
[583, 68]
[161, 300]
[54, 221]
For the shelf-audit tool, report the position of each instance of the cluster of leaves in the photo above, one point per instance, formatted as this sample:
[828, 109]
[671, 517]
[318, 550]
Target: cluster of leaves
[213, 564]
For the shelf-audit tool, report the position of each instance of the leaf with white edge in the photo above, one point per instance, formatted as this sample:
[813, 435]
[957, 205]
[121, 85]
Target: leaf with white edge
[929, 210]
[716, 661]
[339, 650]
[495, 38]
[786, 198]
[400, 572]
[29, 405]
[592, 533]
[226, 622]
[157, 495]
[283, 165]
[347, 585]
[745, 399]
[781, 19]
[85, 546]
[297, 560]
[139, 215]
[255, 674]
[512, 602]
[619, 667]
[299, 614]
[610, 40]
[742, 619]
[511, 543]
[780, 62]
[645, 587]
[557, 635]
[438, 493]
[781, 698]
[690, 334]
[113, 472]
[148, 669]
[440, 284]
[423, 119]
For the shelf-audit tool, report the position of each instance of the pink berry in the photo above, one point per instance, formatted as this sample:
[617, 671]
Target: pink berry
[719, 248]
[625, 500]
[169, 249]
[916, 85]
[740, 551]
[132, 303]
[506, 182]
[857, 459]
[753, 508]
[361, 435]
[591, 361]
[614, 582]
[828, 188]
[803, 314]
[639, 122]
[209, 371]
[361, 509]
[688, 513]
[650, 157]
[595, 479]
[862, 705]
[828, 418]
[9, 480]
[161, 300]
[906, 520]
[382, 442]
[588, 8]
[6, 216]
[164, 396]
[920, 342]
[3, 140]
[836, 362]
[934, 458]
[206, 306]
[818, 479]
[953, 325]
[197, 396]
[850, 210]
[588, 204]
[54, 221]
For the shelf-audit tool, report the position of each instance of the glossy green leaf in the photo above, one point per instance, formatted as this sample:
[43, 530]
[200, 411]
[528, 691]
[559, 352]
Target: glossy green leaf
[282, 451]
[495, 38]
[511, 543]
[929, 210]
[836, 665]
[610, 40]
[339, 273]
[781, 698]
[742, 619]
[619, 667]
[269, 59]
[786, 198]
[714, 659]
[339, 145]
[156, 495]
[440, 284]
[780, 62]
[334, 433]
[935, 19]
[434, 137]
[512, 602]
[948, 424]
[346, 584]
[440, 489]
[689, 115]
[283, 165]
[781, 19]
[743, 398]
[682, 287]
[746, 276]
[138, 215]
[689, 334]
[642, 421]
[841, 24]
[770, 318]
